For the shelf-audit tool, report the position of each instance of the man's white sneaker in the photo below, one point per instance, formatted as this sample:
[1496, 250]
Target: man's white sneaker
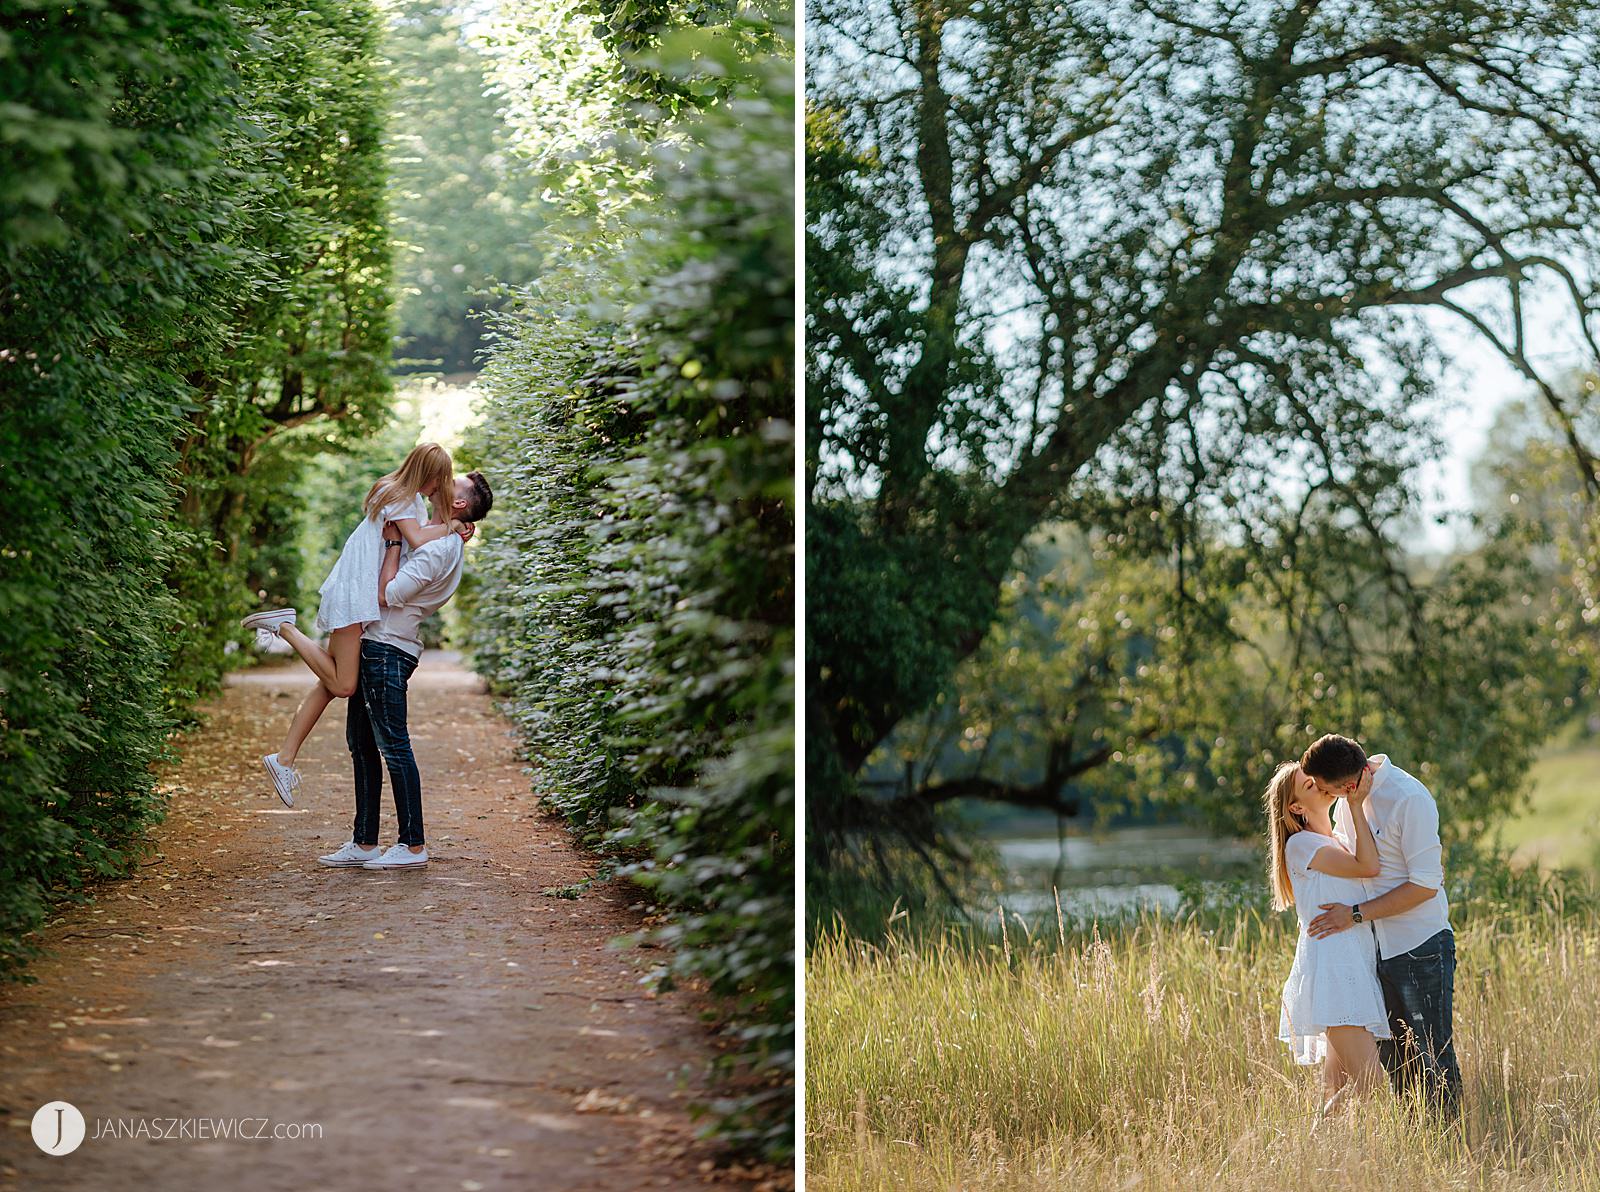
[399, 856]
[350, 855]
[285, 779]
[272, 620]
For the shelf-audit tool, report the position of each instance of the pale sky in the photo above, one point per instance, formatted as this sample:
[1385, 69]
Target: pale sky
[1478, 381]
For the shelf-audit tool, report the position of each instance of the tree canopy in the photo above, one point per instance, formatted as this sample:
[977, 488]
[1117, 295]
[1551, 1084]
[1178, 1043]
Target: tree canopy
[466, 208]
[1163, 269]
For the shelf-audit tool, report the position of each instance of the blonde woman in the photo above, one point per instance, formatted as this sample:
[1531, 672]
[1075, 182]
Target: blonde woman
[350, 597]
[1332, 1010]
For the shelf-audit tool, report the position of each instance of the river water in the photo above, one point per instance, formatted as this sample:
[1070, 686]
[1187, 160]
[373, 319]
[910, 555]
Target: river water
[1115, 871]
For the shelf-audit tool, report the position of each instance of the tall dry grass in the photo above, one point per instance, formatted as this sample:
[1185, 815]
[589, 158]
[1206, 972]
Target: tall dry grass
[1149, 1059]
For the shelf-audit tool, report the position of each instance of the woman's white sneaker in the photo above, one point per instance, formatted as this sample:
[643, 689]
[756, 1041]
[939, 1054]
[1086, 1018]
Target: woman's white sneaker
[350, 855]
[272, 620]
[399, 856]
[285, 779]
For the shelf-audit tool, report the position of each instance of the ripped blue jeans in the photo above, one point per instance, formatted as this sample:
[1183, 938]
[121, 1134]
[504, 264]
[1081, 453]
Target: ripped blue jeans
[1419, 990]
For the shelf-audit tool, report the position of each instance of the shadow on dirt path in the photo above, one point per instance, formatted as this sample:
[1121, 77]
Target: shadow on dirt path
[451, 1027]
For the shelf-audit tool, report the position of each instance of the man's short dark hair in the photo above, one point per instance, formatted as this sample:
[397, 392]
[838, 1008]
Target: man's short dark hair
[1333, 759]
[480, 500]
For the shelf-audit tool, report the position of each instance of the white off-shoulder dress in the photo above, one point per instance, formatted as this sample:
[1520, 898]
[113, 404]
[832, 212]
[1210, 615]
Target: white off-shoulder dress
[1334, 981]
[350, 593]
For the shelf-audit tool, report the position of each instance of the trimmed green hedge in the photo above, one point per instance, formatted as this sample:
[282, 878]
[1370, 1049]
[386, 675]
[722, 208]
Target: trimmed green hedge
[193, 258]
[635, 595]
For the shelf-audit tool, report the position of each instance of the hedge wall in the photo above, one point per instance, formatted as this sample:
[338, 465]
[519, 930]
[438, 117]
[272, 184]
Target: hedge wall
[192, 259]
[635, 593]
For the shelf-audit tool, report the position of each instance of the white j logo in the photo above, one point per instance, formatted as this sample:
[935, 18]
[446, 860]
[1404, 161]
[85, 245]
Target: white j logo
[58, 1128]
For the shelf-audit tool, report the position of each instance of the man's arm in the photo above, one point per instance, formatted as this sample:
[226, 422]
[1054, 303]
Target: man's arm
[391, 562]
[425, 566]
[1418, 826]
[1336, 916]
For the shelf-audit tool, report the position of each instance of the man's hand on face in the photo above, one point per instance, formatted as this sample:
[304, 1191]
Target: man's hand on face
[1335, 917]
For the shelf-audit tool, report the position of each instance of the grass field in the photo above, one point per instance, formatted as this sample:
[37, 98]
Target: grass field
[1149, 1059]
[1561, 825]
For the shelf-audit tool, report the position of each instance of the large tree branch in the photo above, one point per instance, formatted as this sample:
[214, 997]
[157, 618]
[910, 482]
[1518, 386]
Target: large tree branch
[976, 786]
[999, 200]
[1517, 358]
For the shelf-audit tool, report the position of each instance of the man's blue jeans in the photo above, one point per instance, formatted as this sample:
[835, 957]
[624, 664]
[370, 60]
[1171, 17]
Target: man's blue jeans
[1419, 989]
[375, 730]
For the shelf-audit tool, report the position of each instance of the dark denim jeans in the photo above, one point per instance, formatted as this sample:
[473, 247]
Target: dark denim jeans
[375, 730]
[1419, 988]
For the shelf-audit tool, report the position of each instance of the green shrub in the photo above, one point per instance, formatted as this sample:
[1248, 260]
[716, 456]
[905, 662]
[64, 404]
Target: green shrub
[636, 591]
[192, 258]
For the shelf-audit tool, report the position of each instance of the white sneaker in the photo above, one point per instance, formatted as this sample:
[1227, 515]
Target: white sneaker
[399, 856]
[271, 620]
[285, 779]
[350, 855]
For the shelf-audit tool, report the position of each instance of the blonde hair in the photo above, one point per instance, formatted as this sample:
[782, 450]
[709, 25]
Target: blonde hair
[427, 467]
[1281, 824]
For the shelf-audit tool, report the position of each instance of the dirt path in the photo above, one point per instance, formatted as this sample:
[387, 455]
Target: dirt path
[447, 1028]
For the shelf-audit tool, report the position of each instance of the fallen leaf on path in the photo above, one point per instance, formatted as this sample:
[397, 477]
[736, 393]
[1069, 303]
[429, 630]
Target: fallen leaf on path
[594, 1101]
[473, 1102]
[112, 1021]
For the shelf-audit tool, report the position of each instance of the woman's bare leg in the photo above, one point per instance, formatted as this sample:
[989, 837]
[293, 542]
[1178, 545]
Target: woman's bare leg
[1334, 1081]
[337, 673]
[339, 666]
[305, 719]
[1358, 1056]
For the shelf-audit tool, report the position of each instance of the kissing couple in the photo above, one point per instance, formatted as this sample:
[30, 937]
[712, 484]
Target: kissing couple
[1355, 850]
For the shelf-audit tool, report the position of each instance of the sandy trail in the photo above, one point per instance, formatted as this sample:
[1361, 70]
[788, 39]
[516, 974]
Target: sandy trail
[447, 1028]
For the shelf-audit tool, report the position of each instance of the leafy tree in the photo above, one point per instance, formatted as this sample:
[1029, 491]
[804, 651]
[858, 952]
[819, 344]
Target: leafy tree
[1102, 686]
[1529, 484]
[1165, 259]
[466, 208]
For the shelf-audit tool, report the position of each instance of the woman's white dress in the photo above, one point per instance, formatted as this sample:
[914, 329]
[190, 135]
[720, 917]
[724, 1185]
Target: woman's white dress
[350, 593]
[1334, 981]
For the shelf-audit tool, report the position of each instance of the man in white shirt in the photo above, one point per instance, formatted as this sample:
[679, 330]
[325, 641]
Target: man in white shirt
[1407, 911]
[376, 728]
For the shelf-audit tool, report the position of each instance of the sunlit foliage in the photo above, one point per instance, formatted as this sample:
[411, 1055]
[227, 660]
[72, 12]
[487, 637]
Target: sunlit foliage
[636, 600]
[193, 258]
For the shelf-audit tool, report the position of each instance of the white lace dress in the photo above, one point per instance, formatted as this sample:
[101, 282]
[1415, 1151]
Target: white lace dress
[350, 593]
[1334, 981]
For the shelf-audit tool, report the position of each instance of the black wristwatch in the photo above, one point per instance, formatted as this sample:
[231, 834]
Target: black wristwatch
[396, 542]
[1355, 911]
